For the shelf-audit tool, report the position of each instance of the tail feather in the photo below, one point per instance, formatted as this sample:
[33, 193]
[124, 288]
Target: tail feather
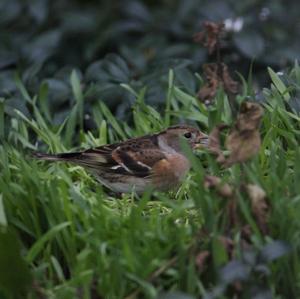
[57, 157]
[84, 159]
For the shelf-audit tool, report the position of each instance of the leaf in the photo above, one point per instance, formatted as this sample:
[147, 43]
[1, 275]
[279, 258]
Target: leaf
[38, 9]
[77, 91]
[2, 118]
[250, 43]
[137, 10]
[175, 295]
[217, 75]
[223, 189]
[22, 89]
[262, 294]
[43, 94]
[242, 146]
[42, 46]
[3, 221]
[249, 116]
[208, 91]
[38, 246]
[70, 126]
[234, 271]
[279, 84]
[210, 36]
[187, 79]
[259, 206]
[230, 86]
[112, 120]
[244, 140]
[219, 253]
[201, 259]
[147, 286]
[274, 251]
[111, 69]
[214, 144]
[15, 277]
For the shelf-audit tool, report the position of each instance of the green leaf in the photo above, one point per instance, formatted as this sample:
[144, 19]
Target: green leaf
[77, 91]
[112, 120]
[70, 126]
[43, 93]
[148, 287]
[169, 97]
[3, 220]
[38, 246]
[279, 84]
[22, 89]
[15, 277]
[2, 118]
[219, 253]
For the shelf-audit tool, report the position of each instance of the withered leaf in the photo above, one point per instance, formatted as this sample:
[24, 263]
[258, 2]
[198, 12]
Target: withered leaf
[214, 145]
[201, 259]
[230, 86]
[244, 139]
[210, 36]
[259, 206]
[228, 244]
[246, 234]
[242, 146]
[249, 116]
[223, 189]
[232, 214]
[208, 91]
[216, 75]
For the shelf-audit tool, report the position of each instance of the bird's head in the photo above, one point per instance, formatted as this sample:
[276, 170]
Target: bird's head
[172, 137]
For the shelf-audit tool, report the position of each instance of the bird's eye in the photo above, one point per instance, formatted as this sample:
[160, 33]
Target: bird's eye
[187, 135]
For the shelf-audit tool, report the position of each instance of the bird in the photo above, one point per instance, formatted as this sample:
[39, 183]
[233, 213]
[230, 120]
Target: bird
[152, 161]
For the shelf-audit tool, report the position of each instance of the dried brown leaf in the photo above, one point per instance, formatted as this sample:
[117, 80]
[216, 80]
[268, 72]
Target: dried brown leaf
[242, 146]
[230, 86]
[246, 234]
[223, 189]
[244, 139]
[208, 91]
[232, 213]
[210, 36]
[216, 75]
[201, 259]
[214, 144]
[249, 117]
[259, 206]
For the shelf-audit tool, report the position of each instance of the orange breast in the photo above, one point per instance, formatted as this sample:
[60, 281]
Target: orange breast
[170, 171]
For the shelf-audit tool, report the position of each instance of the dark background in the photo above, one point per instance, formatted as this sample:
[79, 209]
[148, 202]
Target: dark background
[135, 42]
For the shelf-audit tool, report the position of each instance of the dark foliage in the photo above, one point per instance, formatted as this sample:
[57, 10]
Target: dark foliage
[134, 42]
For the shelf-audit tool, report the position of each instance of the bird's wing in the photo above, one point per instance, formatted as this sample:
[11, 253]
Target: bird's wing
[135, 157]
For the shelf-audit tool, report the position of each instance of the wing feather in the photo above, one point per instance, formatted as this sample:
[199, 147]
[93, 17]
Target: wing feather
[134, 157]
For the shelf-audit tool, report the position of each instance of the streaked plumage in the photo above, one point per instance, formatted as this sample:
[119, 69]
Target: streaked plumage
[152, 160]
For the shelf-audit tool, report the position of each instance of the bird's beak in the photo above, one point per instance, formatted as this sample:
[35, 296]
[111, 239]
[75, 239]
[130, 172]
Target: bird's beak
[202, 142]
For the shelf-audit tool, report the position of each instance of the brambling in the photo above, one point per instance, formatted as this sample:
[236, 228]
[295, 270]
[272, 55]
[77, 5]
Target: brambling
[155, 161]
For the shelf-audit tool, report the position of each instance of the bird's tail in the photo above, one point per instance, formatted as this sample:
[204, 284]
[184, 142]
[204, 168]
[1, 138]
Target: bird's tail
[88, 159]
[72, 157]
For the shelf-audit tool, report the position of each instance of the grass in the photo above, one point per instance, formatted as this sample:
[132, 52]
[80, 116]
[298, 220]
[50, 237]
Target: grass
[77, 241]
